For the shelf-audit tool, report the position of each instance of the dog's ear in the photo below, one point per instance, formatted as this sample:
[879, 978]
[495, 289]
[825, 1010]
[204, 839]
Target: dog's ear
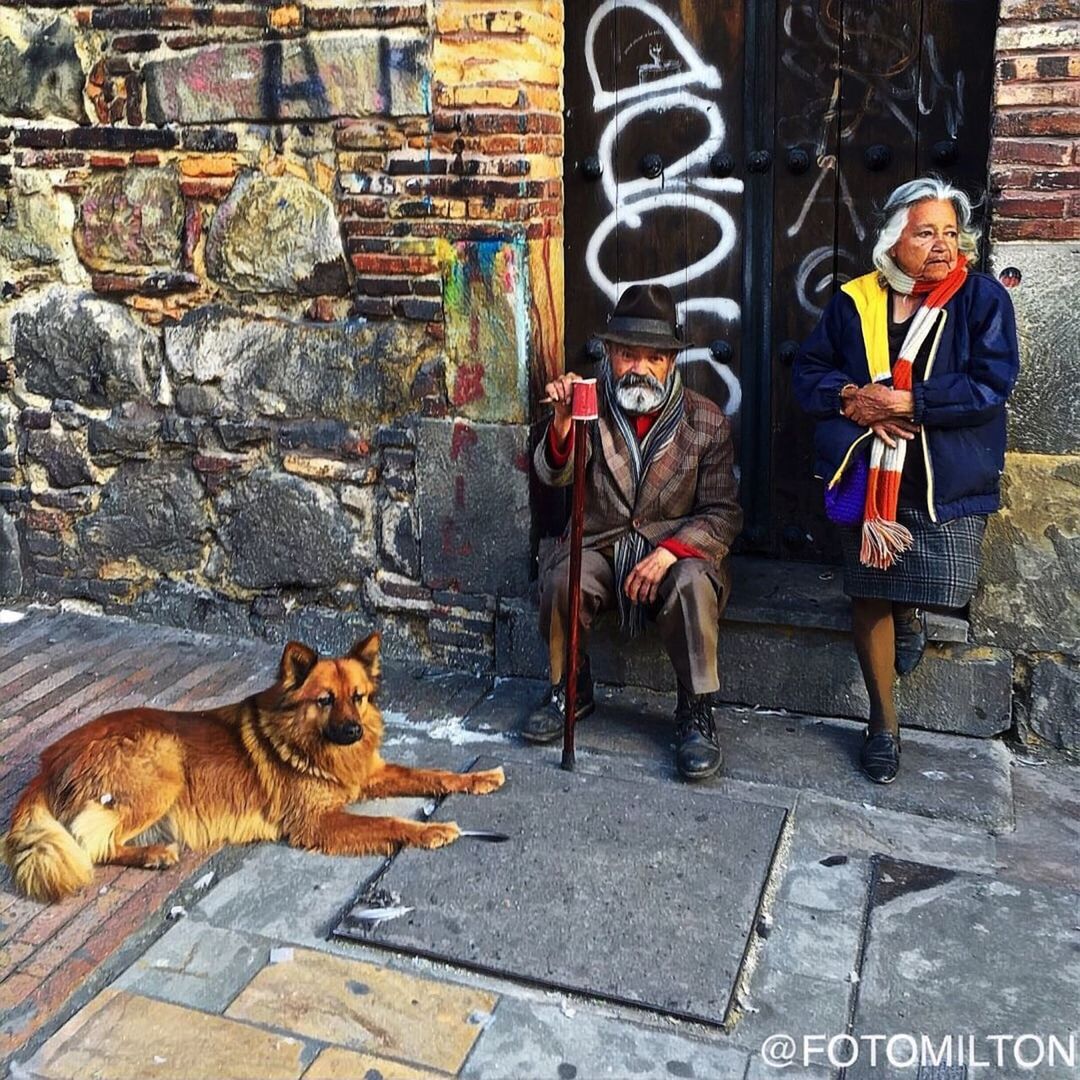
[296, 663]
[367, 652]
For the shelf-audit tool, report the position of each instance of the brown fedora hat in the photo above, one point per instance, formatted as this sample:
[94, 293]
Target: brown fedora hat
[644, 315]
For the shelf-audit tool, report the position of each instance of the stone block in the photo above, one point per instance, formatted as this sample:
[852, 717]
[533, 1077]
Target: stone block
[282, 531]
[486, 305]
[277, 234]
[129, 1037]
[180, 604]
[289, 369]
[316, 77]
[397, 539]
[40, 72]
[1044, 410]
[62, 455]
[962, 689]
[11, 578]
[36, 230]
[70, 344]
[538, 1039]
[1029, 592]
[131, 220]
[154, 512]
[1053, 708]
[473, 500]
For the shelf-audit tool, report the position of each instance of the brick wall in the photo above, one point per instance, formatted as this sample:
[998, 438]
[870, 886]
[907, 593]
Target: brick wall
[1030, 577]
[268, 271]
[1035, 174]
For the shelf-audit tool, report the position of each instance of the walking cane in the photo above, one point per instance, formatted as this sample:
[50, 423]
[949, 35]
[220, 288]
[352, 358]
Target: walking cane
[583, 408]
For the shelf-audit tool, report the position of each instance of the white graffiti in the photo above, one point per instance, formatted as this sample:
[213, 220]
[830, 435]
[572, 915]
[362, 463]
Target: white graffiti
[819, 257]
[664, 85]
[705, 356]
[695, 70]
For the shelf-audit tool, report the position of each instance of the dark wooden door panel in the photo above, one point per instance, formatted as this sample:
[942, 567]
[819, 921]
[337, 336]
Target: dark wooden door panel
[654, 95]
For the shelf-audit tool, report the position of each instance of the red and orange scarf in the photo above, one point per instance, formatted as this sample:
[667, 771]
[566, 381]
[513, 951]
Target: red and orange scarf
[884, 539]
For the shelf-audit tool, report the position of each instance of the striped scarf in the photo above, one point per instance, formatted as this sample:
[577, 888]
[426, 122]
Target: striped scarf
[633, 547]
[884, 539]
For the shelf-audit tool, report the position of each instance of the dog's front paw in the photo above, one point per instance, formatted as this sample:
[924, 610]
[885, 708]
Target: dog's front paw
[437, 834]
[481, 783]
[162, 856]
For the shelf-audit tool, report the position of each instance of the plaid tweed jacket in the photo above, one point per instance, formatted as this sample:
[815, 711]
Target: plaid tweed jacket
[688, 493]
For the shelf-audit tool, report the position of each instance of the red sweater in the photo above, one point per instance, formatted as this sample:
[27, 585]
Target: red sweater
[560, 455]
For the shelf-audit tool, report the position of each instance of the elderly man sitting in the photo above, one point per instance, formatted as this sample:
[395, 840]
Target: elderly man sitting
[661, 512]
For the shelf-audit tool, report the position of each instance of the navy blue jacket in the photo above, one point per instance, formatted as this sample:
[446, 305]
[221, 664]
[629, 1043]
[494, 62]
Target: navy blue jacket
[960, 405]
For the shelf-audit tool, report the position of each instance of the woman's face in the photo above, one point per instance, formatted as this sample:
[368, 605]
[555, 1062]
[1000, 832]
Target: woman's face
[928, 246]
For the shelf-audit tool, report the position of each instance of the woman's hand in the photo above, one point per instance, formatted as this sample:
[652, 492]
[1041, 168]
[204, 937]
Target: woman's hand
[561, 393]
[876, 403]
[888, 431]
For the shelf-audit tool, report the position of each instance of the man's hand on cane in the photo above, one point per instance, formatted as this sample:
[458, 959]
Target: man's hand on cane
[643, 581]
[560, 393]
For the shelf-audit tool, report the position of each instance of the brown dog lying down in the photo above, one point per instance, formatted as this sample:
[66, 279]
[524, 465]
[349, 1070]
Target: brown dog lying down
[279, 765]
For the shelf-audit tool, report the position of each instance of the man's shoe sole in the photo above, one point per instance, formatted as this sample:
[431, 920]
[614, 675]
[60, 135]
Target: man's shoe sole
[544, 740]
[700, 775]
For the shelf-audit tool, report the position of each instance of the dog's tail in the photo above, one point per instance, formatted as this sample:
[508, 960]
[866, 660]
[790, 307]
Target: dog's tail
[46, 861]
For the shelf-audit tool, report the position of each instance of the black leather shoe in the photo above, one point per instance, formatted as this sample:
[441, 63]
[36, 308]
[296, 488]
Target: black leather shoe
[545, 723]
[910, 628]
[880, 756]
[698, 753]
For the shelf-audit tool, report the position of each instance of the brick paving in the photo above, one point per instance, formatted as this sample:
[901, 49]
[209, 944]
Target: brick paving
[58, 670]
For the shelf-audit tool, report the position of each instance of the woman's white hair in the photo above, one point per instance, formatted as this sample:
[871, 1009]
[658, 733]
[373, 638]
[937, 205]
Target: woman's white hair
[897, 206]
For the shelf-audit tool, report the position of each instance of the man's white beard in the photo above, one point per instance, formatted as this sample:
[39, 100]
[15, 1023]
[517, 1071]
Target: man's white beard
[640, 398]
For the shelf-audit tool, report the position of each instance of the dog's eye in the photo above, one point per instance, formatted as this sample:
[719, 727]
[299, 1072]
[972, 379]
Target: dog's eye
[359, 698]
[325, 700]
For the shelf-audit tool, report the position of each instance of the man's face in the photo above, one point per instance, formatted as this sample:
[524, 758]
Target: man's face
[641, 376]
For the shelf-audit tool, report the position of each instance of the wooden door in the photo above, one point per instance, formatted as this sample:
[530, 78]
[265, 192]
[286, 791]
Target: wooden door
[654, 92]
[778, 128]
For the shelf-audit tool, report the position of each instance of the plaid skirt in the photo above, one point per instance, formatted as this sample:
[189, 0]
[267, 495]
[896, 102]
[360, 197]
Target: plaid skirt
[940, 570]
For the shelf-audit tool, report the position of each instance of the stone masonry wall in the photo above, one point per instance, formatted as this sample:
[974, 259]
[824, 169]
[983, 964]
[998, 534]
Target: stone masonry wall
[278, 281]
[1029, 599]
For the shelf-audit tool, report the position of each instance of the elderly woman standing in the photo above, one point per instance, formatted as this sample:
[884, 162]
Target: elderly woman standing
[907, 374]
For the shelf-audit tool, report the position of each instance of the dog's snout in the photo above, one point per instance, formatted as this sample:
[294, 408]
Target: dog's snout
[345, 734]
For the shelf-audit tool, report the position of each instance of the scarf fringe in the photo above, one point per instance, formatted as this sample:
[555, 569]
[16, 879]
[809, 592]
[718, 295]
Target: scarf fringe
[883, 542]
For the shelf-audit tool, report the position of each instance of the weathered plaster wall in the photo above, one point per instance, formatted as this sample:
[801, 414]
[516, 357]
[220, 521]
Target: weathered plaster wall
[1029, 598]
[268, 271]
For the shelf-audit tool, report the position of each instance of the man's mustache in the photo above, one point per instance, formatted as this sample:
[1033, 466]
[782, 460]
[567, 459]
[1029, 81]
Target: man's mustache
[632, 379]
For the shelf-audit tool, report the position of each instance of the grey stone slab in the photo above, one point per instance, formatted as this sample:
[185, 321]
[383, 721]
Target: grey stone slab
[287, 894]
[527, 1039]
[813, 941]
[586, 894]
[957, 953]
[11, 575]
[195, 964]
[1044, 846]
[780, 1001]
[828, 826]
[468, 476]
[957, 688]
[944, 777]
[759, 1070]
[1044, 410]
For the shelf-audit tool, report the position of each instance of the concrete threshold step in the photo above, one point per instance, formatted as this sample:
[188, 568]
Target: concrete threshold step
[946, 777]
[785, 643]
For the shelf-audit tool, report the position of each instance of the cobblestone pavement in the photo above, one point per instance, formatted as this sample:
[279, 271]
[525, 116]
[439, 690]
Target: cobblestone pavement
[947, 905]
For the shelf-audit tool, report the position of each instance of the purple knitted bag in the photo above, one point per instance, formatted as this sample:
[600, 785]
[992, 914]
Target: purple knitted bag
[845, 501]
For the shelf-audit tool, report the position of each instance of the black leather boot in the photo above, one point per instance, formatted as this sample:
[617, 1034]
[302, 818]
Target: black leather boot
[545, 723]
[698, 753]
[910, 628]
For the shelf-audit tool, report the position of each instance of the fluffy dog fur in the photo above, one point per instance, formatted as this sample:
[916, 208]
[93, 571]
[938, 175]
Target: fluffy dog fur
[132, 787]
